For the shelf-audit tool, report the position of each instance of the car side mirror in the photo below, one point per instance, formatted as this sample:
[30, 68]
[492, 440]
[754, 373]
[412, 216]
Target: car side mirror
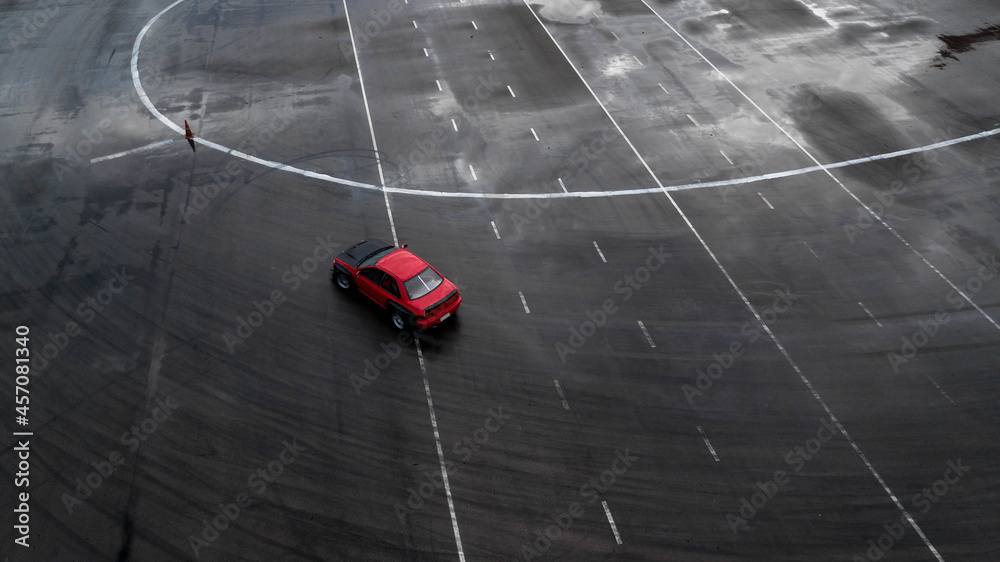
[402, 246]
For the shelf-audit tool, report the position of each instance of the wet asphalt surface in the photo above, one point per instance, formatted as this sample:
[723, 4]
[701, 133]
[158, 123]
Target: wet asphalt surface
[751, 370]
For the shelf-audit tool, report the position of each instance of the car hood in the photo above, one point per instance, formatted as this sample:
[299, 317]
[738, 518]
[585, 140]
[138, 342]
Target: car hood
[361, 250]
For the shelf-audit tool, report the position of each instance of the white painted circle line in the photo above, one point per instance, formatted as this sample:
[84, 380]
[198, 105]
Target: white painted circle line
[150, 146]
[144, 98]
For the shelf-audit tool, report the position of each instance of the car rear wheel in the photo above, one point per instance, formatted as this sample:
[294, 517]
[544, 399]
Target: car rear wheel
[343, 280]
[399, 320]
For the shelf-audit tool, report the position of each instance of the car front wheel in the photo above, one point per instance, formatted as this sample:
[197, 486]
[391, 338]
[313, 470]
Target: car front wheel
[343, 280]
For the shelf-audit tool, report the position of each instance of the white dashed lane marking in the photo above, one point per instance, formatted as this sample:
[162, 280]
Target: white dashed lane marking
[599, 252]
[708, 444]
[765, 200]
[941, 390]
[611, 520]
[869, 313]
[645, 333]
[561, 395]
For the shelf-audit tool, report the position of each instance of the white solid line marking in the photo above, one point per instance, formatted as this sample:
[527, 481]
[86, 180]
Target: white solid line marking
[415, 24]
[637, 60]
[150, 146]
[899, 505]
[495, 231]
[662, 88]
[561, 395]
[371, 128]
[711, 449]
[616, 36]
[815, 255]
[562, 185]
[869, 313]
[599, 252]
[144, 98]
[614, 529]
[438, 82]
[524, 302]
[454, 125]
[511, 91]
[440, 451]
[473, 170]
[765, 200]
[474, 26]
[726, 156]
[826, 170]
[648, 339]
[941, 390]
[692, 119]
[533, 133]
[426, 54]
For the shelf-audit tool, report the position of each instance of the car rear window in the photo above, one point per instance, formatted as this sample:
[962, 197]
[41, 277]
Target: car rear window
[422, 284]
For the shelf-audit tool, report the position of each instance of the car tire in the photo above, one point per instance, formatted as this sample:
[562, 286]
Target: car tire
[399, 319]
[343, 280]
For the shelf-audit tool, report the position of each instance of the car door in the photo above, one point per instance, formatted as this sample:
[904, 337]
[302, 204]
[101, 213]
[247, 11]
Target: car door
[369, 284]
[390, 287]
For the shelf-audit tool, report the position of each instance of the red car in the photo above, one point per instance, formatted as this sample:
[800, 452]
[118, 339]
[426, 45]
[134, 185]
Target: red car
[407, 287]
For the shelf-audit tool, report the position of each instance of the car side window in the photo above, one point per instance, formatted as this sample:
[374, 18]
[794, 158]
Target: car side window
[390, 285]
[374, 275]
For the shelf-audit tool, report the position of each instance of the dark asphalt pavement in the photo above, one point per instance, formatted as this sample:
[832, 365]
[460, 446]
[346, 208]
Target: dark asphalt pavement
[729, 362]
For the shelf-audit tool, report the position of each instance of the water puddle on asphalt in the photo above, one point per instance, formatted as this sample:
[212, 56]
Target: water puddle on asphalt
[963, 43]
[568, 11]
